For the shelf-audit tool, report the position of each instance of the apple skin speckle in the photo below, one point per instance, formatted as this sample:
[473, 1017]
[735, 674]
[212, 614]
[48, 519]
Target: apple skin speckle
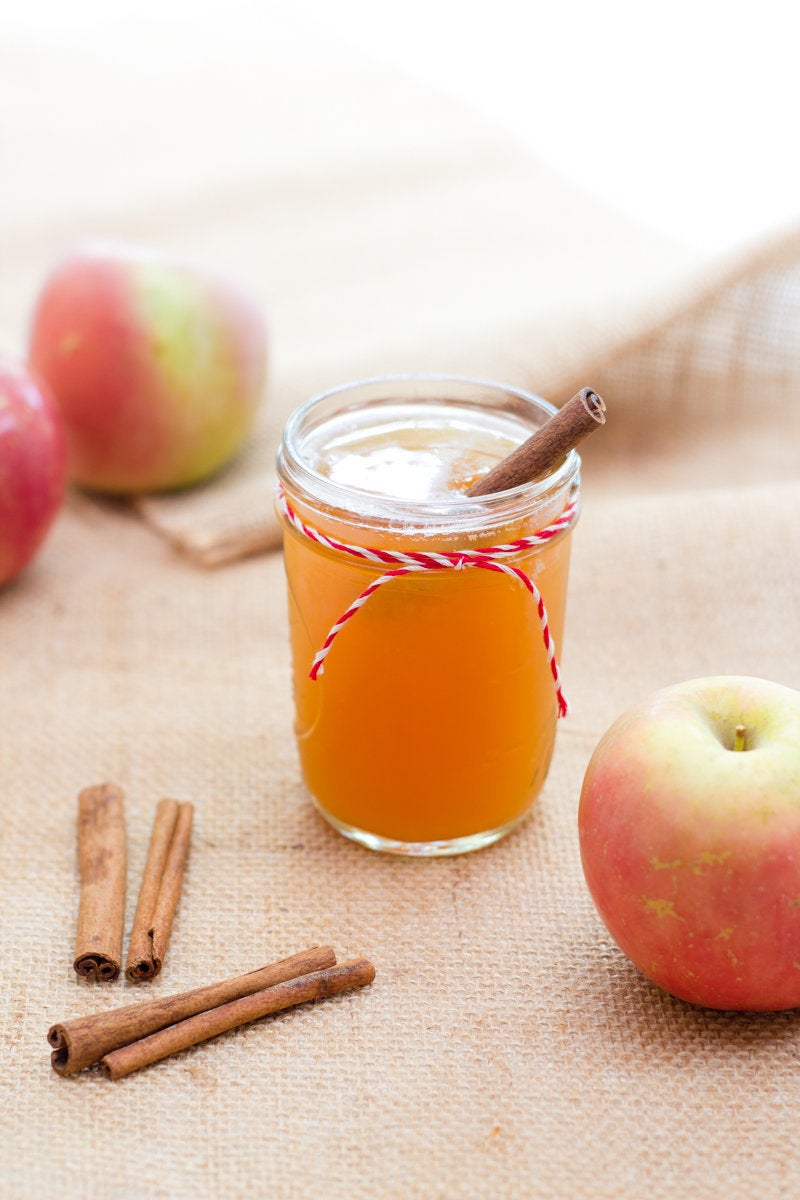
[690, 843]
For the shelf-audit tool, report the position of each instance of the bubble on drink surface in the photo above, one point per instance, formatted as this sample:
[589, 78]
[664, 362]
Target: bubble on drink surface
[424, 452]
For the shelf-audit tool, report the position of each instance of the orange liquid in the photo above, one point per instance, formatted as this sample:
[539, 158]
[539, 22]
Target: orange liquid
[435, 716]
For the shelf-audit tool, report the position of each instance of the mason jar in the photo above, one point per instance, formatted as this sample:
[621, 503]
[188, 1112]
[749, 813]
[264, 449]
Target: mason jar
[424, 624]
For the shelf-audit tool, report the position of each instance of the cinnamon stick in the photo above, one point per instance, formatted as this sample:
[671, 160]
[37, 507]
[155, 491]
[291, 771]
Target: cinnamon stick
[102, 859]
[542, 452]
[85, 1040]
[161, 888]
[321, 984]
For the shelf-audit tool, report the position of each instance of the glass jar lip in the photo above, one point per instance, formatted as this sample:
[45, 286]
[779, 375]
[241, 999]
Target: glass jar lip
[368, 506]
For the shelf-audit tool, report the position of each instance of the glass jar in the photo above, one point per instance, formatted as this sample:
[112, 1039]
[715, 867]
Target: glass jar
[426, 696]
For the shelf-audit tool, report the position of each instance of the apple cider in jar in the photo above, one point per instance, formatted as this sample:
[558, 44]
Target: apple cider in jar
[426, 698]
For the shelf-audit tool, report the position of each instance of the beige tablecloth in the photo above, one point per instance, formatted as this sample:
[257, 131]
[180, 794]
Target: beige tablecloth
[506, 1046]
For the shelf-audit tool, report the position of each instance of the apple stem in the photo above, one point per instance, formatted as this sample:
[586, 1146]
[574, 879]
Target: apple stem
[738, 739]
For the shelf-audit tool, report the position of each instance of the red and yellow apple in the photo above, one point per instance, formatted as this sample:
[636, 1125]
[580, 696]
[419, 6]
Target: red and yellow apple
[689, 825]
[33, 464]
[157, 367]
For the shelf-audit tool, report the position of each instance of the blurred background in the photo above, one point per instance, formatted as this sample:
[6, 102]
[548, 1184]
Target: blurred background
[683, 116]
[552, 195]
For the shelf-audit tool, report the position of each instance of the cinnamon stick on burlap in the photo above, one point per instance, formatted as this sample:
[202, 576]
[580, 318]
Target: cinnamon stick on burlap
[356, 973]
[83, 1041]
[161, 888]
[102, 859]
[546, 448]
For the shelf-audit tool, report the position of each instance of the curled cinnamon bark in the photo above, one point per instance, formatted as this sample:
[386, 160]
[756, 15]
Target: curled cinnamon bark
[102, 859]
[85, 1040]
[545, 449]
[321, 984]
[161, 888]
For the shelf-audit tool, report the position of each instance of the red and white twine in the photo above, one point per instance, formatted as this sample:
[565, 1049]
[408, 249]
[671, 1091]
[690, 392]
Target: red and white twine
[487, 558]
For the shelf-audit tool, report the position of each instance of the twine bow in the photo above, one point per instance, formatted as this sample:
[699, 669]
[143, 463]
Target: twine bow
[486, 558]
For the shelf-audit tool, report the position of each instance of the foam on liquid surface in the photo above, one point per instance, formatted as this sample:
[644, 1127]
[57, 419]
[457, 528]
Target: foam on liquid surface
[412, 451]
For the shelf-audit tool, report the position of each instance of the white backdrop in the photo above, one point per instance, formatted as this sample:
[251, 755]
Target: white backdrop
[682, 115]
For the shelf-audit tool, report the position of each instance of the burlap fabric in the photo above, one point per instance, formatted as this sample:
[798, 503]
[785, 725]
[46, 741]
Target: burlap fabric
[506, 1046]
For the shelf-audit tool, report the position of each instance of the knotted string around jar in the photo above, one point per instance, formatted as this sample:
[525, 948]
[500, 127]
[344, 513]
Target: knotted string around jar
[487, 558]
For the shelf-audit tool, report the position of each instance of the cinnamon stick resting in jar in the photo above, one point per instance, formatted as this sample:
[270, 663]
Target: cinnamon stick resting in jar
[84, 1041]
[102, 859]
[358, 972]
[161, 888]
[544, 450]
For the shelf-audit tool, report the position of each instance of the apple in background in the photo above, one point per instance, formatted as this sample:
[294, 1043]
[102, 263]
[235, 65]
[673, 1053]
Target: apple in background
[689, 826]
[33, 465]
[157, 368]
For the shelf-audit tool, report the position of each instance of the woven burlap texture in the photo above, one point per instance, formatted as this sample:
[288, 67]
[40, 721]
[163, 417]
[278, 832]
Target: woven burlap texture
[506, 1047]
[725, 342]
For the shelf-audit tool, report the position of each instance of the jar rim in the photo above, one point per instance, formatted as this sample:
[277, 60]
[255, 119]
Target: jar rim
[365, 507]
